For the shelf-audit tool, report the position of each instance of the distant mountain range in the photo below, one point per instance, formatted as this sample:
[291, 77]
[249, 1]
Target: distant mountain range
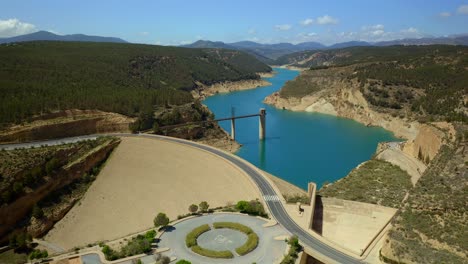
[266, 53]
[46, 35]
[270, 52]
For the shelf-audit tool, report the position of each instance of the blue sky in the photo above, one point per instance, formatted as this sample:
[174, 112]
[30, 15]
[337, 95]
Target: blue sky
[179, 22]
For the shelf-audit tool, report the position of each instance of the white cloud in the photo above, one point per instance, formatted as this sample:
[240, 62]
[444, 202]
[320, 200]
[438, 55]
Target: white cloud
[284, 27]
[410, 30]
[327, 20]
[144, 33]
[14, 27]
[378, 32]
[374, 27]
[252, 31]
[463, 10]
[445, 14]
[198, 37]
[307, 22]
[185, 42]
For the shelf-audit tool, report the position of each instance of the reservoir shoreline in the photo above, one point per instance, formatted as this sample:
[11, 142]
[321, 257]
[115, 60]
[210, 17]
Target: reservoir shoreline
[285, 158]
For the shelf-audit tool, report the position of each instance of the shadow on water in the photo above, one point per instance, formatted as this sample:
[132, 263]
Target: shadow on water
[261, 153]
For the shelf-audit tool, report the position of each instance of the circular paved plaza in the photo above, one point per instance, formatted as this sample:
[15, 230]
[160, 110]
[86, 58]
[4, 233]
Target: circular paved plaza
[268, 250]
[222, 239]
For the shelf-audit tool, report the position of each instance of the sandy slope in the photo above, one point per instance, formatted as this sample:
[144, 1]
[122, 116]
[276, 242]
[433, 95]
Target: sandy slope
[142, 178]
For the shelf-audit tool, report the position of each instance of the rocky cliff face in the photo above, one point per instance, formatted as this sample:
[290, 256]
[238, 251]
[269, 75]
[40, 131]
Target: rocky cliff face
[66, 124]
[345, 100]
[13, 213]
[226, 87]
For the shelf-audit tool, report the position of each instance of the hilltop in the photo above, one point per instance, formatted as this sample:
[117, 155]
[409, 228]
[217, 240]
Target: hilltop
[49, 36]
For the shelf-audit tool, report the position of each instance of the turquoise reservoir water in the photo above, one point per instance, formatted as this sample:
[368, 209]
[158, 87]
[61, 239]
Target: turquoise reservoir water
[299, 147]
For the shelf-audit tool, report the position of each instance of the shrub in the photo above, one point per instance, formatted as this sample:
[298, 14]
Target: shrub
[303, 199]
[183, 261]
[212, 253]
[193, 208]
[37, 212]
[242, 205]
[150, 235]
[191, 239]
[164, 260]
[161, 220]
[51, 165]
[20, 240]
[236, 226]
[249, 245]
[109, 253]
[203, 206]
[253, 207]
[294, 249]
[38, 254]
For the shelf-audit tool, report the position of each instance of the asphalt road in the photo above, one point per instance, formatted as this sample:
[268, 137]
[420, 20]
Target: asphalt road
[276, 207]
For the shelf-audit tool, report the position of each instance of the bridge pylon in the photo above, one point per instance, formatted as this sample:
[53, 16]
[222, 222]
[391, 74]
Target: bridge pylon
[261, 124]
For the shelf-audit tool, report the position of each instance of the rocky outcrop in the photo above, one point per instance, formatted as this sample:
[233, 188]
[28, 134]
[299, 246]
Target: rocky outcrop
[346, 102]
[226, 87]
[426, 144]
[13, 213]
[66, 124]
[393, 153]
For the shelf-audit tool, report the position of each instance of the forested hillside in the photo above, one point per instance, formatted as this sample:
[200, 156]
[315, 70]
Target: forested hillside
[38, 77]
[353, 55]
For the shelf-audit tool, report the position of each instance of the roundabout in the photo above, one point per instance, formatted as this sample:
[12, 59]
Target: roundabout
[222, 239]
[234, 238]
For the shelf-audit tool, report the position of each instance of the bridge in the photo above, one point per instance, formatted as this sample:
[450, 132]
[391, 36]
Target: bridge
[261, 123]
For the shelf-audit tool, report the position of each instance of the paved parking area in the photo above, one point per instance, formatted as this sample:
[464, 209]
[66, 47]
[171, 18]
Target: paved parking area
[268, 251]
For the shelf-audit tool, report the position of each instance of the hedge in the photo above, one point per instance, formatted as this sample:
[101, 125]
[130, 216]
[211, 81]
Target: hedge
[212, 253]
[191, 239]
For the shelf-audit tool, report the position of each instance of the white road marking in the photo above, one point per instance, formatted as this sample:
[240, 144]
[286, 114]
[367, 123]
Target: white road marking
[271, 198]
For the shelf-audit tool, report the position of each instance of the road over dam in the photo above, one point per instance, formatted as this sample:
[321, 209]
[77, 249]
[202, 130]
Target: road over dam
[275, 205]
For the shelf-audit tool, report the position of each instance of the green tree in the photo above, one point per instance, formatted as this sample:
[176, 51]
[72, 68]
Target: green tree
[156, 128]
[193, 208]
[161, 220]
[164, 260]
[204, 206]
[150, 235]
[20, 240]
[51, 165]
[183, 261]
[7, 196]
[242, 206]
[17, 187]
[38, 254]
[37, 212]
